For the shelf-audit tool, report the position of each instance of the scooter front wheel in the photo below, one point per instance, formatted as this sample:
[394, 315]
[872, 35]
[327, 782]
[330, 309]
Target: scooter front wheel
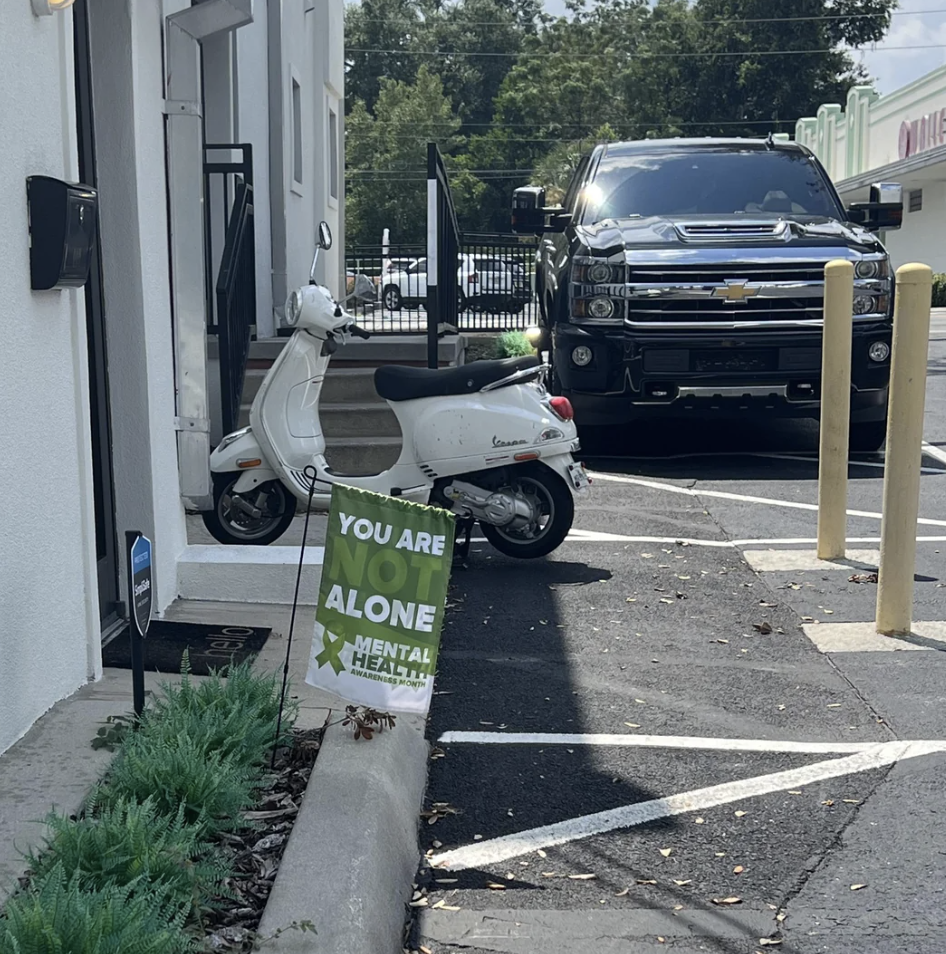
[255, 518]
[553, 509]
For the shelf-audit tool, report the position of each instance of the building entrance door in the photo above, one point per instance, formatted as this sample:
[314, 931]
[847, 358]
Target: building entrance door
[106, 543]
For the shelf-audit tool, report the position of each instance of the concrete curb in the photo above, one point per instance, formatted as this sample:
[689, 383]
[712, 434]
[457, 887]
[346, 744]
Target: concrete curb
[353, 851]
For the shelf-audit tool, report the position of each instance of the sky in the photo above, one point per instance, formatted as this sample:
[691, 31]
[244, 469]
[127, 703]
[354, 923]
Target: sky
[911, 27]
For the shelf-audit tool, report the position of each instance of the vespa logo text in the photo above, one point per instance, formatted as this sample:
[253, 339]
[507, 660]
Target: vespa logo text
[498, 443]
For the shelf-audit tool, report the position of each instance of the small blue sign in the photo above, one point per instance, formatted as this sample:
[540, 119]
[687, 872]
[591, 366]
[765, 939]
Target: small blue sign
[141, 583]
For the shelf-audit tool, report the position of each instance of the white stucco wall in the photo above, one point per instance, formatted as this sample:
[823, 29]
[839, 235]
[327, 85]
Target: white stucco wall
[48, 595]
[921, 238]
[312, 45]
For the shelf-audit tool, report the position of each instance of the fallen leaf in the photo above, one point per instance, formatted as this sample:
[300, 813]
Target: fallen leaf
[495, 886]
[738, 869]
[623, 893]
[769, 941]
[727, 900]
[436, 844]
[640, 702]
[781, 708]
[740, 814]
[765, 627]
[661, 940]
[486, 723]
[678, 907]
[721, 641]
[699, 821]
[541, 853]
[863, 578]
[857, 887]
[834, 705]
[666, 601]
[852, 801]
[631, 599]
[794, 793]
[680, 884]
[549, 874]
[632, 725]
[446, 880]
[420, 903]
[582, 877]
[645, 881]
[448, 907]
[666, 852]
[425, 950]
[437, 753]
[720, 854]
[477, 837]
[780, 916]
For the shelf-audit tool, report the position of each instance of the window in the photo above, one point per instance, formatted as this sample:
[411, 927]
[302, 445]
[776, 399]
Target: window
[332, 154]
[916, 200]
[706, 180]
[296, 132]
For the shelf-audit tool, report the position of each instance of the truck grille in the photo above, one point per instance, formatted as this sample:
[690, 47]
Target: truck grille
[727, 293]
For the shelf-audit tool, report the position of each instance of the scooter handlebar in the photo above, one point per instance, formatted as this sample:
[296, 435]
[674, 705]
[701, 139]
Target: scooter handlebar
[359, 332]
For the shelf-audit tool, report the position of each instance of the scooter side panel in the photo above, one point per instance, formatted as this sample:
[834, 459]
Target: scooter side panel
[457, 434]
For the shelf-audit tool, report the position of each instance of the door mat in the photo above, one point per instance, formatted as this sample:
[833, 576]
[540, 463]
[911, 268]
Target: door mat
[208, 647]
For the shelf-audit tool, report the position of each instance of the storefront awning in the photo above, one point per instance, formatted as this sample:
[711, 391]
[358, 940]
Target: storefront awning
[912, 173]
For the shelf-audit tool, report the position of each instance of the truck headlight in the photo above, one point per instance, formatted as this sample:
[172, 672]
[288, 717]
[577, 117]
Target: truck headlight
[599, 273]
[601, 308]
[869, 268]
[879, 351]
[865, 304]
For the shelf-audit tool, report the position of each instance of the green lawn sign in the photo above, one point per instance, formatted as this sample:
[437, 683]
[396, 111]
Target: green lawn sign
[381, 601]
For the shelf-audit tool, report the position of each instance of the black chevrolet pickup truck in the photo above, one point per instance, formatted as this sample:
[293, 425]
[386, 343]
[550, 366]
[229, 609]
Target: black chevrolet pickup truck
[686, 278]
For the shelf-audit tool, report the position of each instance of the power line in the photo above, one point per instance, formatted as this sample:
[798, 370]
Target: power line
[828, 18]
[622, 123]
[649, 56]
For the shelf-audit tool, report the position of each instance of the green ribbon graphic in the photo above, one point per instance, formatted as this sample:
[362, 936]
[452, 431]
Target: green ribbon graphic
[332, 647]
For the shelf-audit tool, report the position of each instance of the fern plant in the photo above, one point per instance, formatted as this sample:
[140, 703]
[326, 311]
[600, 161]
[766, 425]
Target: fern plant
[56, 916]
[234, 718]
[130, 844]
[180, 775]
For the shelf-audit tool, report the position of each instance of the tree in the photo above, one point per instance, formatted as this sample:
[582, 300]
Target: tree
[387, 167]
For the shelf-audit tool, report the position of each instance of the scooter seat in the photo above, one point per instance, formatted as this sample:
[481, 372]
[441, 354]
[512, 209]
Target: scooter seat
[397, 383]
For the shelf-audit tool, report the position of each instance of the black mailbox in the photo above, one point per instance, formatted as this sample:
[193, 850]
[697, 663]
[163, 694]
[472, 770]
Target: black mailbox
[62, 232]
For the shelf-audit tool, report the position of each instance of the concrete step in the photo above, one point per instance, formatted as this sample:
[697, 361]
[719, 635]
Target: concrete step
[356, 456]
[359, 420]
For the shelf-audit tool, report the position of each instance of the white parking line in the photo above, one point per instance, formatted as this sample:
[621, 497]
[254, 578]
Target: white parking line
[934, 452]
[629, 740]
[486, 853]
[743, 498]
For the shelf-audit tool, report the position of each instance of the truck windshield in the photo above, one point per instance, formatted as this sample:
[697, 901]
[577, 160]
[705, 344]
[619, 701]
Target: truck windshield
[707, 182]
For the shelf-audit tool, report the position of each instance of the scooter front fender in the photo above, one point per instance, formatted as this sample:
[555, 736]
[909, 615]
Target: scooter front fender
[227, 458]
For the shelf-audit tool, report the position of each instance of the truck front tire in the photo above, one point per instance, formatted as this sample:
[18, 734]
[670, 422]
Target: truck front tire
[868, 437]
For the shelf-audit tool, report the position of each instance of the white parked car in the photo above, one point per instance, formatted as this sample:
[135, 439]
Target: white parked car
[483, 281]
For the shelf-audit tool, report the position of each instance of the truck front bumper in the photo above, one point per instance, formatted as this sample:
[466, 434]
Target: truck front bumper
[768, 373]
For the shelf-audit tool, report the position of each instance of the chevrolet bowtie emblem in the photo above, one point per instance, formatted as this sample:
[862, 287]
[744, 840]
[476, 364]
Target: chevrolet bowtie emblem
[735, 291]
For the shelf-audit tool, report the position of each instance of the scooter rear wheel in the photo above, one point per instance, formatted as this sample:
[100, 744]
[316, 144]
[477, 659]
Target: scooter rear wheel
[555, 511]
[228, 524]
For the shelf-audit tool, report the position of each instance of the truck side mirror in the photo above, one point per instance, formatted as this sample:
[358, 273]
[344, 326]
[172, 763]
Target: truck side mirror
[531, 216]
[883, 211]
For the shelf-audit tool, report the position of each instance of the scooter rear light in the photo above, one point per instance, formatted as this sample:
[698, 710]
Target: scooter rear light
[563, 408]
[473, 279]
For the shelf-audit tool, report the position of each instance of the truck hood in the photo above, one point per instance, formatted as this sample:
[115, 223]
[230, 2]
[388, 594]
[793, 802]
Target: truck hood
[693, 233]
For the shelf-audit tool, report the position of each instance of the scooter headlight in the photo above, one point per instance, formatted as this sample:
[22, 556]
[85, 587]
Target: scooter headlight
[293, 309]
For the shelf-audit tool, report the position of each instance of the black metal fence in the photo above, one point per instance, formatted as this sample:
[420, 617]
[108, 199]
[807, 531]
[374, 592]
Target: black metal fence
[231, 298]
[495, 288]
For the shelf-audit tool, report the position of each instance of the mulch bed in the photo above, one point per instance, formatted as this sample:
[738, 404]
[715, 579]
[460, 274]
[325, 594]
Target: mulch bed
[256, 851]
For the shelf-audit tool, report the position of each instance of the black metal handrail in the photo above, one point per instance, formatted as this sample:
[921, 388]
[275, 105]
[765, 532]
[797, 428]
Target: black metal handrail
[236, 303]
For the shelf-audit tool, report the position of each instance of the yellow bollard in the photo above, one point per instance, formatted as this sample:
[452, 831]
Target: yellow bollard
[835, 409]
[911, 334]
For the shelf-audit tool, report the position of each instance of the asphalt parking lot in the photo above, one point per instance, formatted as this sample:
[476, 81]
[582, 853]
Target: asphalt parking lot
[661, 738]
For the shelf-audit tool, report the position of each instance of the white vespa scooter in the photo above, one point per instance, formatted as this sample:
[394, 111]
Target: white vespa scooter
[484, 440]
